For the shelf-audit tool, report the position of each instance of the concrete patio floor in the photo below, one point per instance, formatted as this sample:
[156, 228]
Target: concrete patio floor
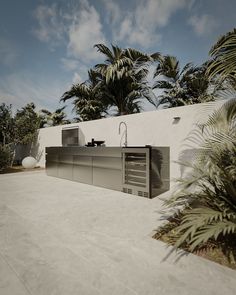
[61, 237]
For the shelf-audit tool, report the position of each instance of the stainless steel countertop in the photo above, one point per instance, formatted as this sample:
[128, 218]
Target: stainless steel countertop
[87, 151]
[107, 151]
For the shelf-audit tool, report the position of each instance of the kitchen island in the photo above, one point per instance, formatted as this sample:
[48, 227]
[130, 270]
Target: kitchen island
[142, 171]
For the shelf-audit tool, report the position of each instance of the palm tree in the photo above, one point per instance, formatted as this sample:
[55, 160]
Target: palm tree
[88, 103]
[223, 63]
[188, 85]
[124, 74]
[207, 194]
[58, 117]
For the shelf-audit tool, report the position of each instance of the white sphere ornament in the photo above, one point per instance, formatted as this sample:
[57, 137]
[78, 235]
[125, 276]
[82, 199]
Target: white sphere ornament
[29, 162]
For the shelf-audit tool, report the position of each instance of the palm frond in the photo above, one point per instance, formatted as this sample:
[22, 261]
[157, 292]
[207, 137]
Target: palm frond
[223, 53]
[206, 193]
[162, 85]
[46, 112]
[104, 50]
[58, 111]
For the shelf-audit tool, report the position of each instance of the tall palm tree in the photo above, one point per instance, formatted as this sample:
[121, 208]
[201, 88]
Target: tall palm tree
[124, 75]
[184, 86]
[223, 63]
[58, 117]
[88, 103]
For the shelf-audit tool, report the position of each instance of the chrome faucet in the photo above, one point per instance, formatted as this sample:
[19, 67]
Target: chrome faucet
[125, 143]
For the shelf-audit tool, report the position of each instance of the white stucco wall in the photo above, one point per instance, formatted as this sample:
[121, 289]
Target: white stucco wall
[157, 128]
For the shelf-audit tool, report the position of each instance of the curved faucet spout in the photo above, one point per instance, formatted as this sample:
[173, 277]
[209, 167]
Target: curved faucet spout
[125, 143]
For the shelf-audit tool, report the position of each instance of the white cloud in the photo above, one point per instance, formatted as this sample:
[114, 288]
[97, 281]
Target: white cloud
[141, 26]
[113, 12]
[191, 4]
[77, 28]
[203, 24]
[70, 64]
[8, 53]
[84, 32]
[77, 78]
[137, 35]
[20, 88]
[157, 12]
[51, 24]
[80, 28]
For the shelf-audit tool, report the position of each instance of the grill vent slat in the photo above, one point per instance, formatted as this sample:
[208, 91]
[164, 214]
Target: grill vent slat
[145, 194]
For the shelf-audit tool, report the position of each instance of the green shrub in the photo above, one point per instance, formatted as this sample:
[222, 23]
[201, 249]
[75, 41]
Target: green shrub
[5, 157]
[206, 197]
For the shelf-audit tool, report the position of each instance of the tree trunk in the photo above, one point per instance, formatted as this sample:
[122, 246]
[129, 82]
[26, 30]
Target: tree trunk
[13, 154]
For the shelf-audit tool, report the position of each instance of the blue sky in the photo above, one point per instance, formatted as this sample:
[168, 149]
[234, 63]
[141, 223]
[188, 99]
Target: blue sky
[47, 45]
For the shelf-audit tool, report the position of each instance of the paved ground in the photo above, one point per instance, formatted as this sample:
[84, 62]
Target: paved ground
[60, 237]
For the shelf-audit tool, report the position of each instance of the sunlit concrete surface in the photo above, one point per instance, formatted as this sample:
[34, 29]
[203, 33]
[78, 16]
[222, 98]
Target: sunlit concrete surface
[61, 237]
